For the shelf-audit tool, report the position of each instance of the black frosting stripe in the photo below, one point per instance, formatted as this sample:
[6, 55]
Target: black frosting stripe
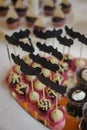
[43, 61]
[48, 34]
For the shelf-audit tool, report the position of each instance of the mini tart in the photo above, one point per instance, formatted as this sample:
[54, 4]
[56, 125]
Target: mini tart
[76, 96]
[12, 18]
[3, 8]
[82, 76]
[66, 6]
[58, 18]
[49, 8]
[39, 25]
[20, 8]
[31, 17]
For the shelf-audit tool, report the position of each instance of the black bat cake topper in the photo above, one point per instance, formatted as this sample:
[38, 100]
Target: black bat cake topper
[43, 61]
[21, 34]
[48, 34]
[82, 38]
[65, 41]
[50, 50]
[29, 69]
[16, 42]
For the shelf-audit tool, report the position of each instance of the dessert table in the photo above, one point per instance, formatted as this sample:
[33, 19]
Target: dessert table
[12, 116]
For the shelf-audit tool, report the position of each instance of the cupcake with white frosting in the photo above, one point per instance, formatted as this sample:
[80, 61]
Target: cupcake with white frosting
[48, 7]
[20, 8]
[39, 24]
[3, 8]
[12, 18]
[58, 17]
[66, 6]
[31, 17]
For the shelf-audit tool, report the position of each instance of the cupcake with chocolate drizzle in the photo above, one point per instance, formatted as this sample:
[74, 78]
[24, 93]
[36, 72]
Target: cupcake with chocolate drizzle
[58, 18]
[31, 17]
[48, 7]
[82, 77]
[66, 6]
[3, 8]
[12, 18]
[39, 24]
[20, 8]
[77, 96]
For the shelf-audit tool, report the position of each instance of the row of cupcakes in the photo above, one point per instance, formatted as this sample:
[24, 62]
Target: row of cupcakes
[13, 16]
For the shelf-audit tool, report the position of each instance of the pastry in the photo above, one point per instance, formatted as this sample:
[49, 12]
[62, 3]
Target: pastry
[20, 8]
[30, 17]
[12, 18]
[39, 24]
[66, 6]
[3, 8]
[58, 18]
[48, 7]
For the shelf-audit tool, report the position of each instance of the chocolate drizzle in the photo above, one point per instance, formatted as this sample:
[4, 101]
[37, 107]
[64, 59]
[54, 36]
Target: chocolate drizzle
[50, 50]
[48, 34]
[82, 38]
[44, 62]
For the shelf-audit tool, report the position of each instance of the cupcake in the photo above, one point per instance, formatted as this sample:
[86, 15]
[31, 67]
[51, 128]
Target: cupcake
[48, 7]
[56, 119]
[39, 25]
[20, 8]
[3, 8]
[83, 123]
[30, 17]
[58, 18]
[77, 96]
[82, 77]
[66, 6]
[12, 18]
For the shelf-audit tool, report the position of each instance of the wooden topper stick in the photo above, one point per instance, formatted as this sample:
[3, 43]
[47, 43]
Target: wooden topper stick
[43, 93]
[32, 86]
[56, 101]
[81, 47]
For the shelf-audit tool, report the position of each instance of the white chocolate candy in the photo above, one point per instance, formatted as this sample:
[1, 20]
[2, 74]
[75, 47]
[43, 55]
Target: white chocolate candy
[78, 95]
[12, 13]
[46, 72]
[84, 74]
[34, 96]
[38, 85]
[56, 115]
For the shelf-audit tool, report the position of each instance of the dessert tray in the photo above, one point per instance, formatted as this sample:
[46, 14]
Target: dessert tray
[53, 73]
